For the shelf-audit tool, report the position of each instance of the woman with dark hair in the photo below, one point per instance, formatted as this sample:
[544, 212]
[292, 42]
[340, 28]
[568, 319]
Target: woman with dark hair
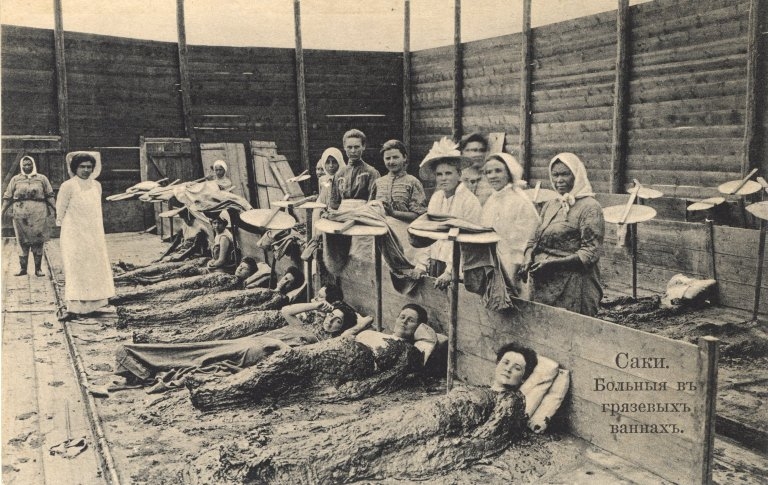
[401, 193]
[87, 271]
[223, 255]
[31, 195]
[411, 441]
[562, 255]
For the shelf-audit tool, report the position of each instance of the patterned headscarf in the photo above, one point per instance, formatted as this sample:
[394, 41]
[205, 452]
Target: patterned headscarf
[581, 186]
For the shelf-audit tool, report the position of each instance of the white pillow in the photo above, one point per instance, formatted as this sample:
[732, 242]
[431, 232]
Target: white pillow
[536, 386]
[551, 402]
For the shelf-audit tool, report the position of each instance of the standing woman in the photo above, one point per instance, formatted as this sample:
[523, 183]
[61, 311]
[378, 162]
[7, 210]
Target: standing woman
[30, 194]
[87, 272]
[508, 211]
[330, 162]
[562, 256]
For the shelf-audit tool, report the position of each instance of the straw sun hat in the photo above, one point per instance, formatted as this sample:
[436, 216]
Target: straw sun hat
[444, 150]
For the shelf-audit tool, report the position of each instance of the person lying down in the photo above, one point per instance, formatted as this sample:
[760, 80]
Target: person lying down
[164, 366]
[348, 367]
[212, 305]
[412, 441]
[309, 316]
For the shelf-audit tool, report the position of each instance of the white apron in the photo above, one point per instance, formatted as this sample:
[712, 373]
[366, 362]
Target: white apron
[87, 271]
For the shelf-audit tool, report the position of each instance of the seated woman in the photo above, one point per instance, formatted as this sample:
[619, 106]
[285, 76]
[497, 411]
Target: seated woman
[141, 362]
[330, 162]
[508, 211]
[182, 289]
[401, 193]
[310, 317]
[352, 366]
[220, 170]
[444, 164]
[190, 241]
[412, 441]
[562, 255]
[223, 255]
[203, 308]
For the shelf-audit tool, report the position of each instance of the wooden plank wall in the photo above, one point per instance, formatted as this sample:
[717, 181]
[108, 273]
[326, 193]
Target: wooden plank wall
[687, 93]
[352, 83]
[573, 76]
[588, 353]
[28, 79]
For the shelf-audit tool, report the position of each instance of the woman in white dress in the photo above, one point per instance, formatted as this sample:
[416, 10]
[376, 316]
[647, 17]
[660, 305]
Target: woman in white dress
[87, 271]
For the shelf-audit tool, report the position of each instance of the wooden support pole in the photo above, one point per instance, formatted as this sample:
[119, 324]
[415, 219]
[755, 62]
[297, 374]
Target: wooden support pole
[633, 246]
[301, 93]
[708, 356]
[458, 75]
[377, 271]
[62, 92]
[525, 92]
[186, 98]
[620, 100]
[407, 75]
[452, 329]
[759, 275]
[755, 107]
[308, 276]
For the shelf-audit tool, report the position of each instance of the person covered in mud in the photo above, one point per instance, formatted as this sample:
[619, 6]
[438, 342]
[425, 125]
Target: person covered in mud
[408, 442]
[348, 367]
[223, 254]
[182, 289]
[320, 319]
[190, 241]
[562, 256]
[164, 366]
[212, 305]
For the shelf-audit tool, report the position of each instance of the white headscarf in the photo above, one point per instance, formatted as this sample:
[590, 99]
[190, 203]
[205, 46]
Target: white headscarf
[515, 170]
[96, 167]
[336, 154]
[581, 186]
[222, 164]
[34, 167]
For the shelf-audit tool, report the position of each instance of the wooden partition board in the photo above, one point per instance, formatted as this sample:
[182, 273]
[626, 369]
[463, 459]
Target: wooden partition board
[589, 349]
[234, 156]
[267, 187]
[666, 248]
[167, 158]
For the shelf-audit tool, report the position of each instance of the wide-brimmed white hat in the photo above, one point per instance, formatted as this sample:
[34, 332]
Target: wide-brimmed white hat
[96, 168]
[445, 150]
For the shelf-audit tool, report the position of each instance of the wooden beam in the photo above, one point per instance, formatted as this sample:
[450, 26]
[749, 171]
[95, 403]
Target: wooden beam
[61, 75]
[407, 75]
[301, 88]
[755, 90]
[458, 81]
[525, 91]
[709, 350]
[620, 100]
[186, 98]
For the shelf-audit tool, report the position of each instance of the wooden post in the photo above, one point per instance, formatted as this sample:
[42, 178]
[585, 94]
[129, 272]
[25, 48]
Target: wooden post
[308, 276]
[759, 275]
[525, 92]
[186, 98]
[301, 94]
[708, 354]
[633, 244]
[755, 107]
[62, 93]
[377, 271]
[620, 100]
[407, 76]
[452, 329]
[458, 77]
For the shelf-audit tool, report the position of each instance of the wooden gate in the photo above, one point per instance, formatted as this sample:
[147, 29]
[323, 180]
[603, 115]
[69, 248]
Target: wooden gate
[170, 158]
[234, 155]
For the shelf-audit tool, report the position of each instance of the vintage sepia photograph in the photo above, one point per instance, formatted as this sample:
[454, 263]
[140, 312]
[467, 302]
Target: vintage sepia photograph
[384, 241]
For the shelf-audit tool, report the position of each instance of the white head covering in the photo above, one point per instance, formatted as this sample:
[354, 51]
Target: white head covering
[96, 168]
[581, 186]
[222, 164]
[514, 167]
[336, 154]
[34, 166]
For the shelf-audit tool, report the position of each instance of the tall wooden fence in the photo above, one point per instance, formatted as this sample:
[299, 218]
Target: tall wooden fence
[687, 93]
